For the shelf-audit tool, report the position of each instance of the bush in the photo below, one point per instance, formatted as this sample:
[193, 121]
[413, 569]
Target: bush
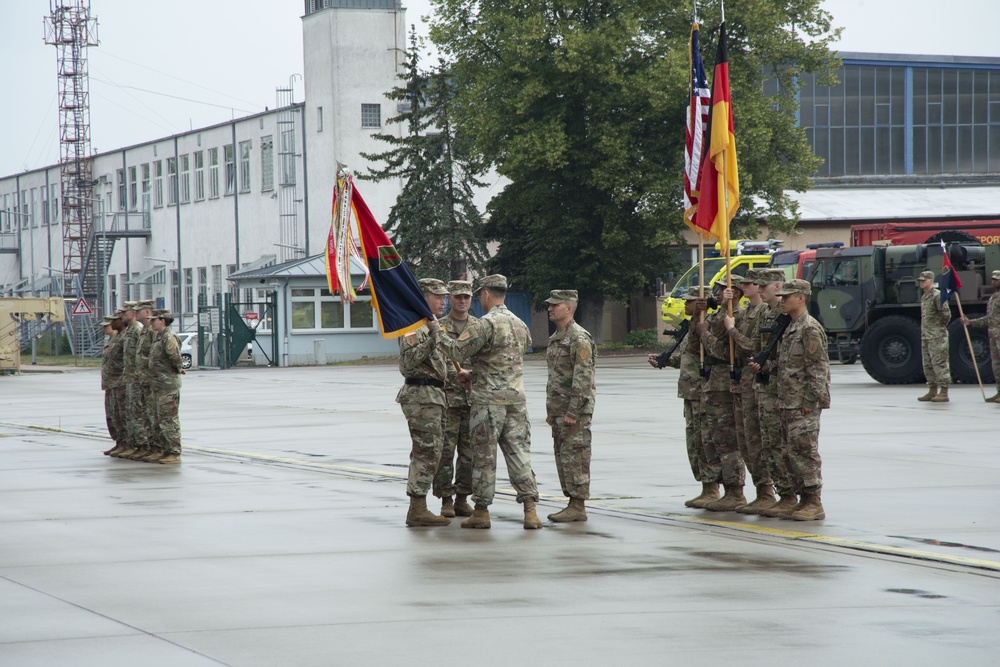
[641, 338]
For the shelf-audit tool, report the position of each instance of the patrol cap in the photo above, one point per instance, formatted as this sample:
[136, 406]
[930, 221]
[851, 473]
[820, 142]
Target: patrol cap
[129, 305]
[562, 296]
[996, 275]
[496, 281]
[107, 321]
[926, 275]
[796, 286]
[695, 292]
[720, 284]
[456, 287]
[159, 312]
[768, 276]
[432, 286]
[752, 276]
[143, 305]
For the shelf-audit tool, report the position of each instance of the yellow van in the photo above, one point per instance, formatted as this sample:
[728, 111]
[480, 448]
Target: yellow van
[752, 254]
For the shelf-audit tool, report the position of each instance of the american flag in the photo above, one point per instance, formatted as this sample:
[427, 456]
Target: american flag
[694, 132]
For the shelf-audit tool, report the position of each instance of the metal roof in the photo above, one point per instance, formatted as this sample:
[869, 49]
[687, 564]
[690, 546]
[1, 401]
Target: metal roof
[882, 203]
[309, 267]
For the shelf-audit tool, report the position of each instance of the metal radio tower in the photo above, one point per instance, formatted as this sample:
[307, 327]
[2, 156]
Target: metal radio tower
[70, 28]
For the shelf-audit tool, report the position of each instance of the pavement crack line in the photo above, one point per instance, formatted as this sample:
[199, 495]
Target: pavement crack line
[761, 532]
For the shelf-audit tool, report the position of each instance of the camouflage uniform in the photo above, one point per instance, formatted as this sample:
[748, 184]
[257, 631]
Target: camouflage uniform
[143, 346]
[111, 380]
[934, 319]
[769, 417]
[705, 468]
[718, 427]
[803, 382]
[495, 346]
[457, 439]
[423, 363]
[748, 321]
[134, 398]
[165, 395]
[570, 392]
[992, 321]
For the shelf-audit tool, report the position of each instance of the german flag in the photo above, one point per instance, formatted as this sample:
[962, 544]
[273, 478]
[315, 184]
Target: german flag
[719, 179]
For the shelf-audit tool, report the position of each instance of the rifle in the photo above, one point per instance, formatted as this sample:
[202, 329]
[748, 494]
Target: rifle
[777, 330]
[678, 334]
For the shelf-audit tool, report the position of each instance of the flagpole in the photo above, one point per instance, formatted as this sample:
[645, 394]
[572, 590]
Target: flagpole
[968, 339]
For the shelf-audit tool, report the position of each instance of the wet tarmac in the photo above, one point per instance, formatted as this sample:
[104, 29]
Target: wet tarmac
[280, 539]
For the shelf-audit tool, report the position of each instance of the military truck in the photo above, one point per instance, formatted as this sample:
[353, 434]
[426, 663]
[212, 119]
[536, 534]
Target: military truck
[870, 295]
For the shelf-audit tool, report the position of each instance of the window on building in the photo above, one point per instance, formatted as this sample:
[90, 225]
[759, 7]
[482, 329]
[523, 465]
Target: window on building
[144, 169]
[244, 166]
[288, 157]
[158, 183]
[316, 309]
[133, 188]
[956, 121]
[34, 207]
[213, 172]
[25, 210]
[185, 179]
[122, 193]
[216, 279]
[230, 270]
[319, 119]
[54, 203]
[112, 304]
[230, 157]
[371, 115]
[175, 291]
[189, 291]
[6, 213]
[266, 163]
[45, 205]
[199, 175]
[171, 181]
[202, 285]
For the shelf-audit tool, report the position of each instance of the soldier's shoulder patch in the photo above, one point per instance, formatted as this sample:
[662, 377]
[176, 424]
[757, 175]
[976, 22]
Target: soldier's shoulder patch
[410, 338]
[584, 352]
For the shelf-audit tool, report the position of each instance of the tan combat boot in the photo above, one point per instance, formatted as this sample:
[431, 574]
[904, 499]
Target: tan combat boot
[732, 499]
[709, 494]
[765, 498]
[531, 520]
[125, 452]
[462, 506]
[575, 511]
[447, 507]
[480, 518]
[419, 515]
[995, 398]
[170, 458]
[154, 457]
[136, 454]
[115, 450]
[810, 509]
[929, 396]
[942, 396]
[783, 508]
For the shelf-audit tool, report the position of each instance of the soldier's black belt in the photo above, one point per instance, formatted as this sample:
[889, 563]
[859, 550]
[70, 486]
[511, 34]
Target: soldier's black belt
[715, 361]
[424, 382]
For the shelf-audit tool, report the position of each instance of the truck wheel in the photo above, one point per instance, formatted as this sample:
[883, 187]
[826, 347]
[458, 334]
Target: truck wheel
[890, 350]
[961, 360]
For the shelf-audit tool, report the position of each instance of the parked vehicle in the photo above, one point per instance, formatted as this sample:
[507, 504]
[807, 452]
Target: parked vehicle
[187, 349]
[799, 263]
[869, 296]
[985, 232]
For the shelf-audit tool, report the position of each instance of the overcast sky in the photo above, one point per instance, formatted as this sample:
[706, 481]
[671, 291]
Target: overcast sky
[165, 67]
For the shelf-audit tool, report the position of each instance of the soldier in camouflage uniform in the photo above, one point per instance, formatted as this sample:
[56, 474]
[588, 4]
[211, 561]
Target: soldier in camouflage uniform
[718, 428]
[107, 378]
[423, 362]
[766, 391]
[451, 479]
[742, 329]
[135, 436]
[115, 358]
[992, 321]
[569, 402]
[705, 466]
[803, 393]
[165, 372]
[934, 319]
[143, 313]
[495, 346]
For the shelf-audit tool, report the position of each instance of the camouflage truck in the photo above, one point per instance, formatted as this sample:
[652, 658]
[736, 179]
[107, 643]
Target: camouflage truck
[870, 295]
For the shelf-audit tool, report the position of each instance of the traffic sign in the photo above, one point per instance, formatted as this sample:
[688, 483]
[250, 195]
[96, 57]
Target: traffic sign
[251, 315]
[82, 308]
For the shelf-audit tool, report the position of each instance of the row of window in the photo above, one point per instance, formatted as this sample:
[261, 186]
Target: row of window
[34, 207]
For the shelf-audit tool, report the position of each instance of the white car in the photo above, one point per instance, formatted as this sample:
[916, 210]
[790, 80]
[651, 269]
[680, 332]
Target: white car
[186, 349]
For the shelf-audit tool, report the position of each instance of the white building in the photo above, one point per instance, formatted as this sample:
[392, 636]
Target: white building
[176, 215]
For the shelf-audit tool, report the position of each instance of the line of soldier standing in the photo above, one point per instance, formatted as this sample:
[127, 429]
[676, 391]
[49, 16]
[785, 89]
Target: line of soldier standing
[747, 410]
[141, 378]
[471, 412]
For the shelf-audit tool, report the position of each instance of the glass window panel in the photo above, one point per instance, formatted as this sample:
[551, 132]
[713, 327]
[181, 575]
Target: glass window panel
[332, 314]
[882, 87]
[303, 315]
[898, 150]
[964, 158]
[806, 100]
[949, 97]
[822, 115]
[919, 150]
[882, 151]
[362, 315]
[934, 150]
[898, 96]
[980, 98]
[994, 148]
[837, 101]
[837, 152]
[949, 150]
[980, 152]
[881, 114]
[852, 88]
[303, 292]
[965, 96]
[934, 85]
[934, 113]
[995, 88]
[867, 96]
[919, 96]
[867, 150]
[852, 154]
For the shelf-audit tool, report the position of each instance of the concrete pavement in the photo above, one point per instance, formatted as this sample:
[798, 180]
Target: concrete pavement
[280, 539]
